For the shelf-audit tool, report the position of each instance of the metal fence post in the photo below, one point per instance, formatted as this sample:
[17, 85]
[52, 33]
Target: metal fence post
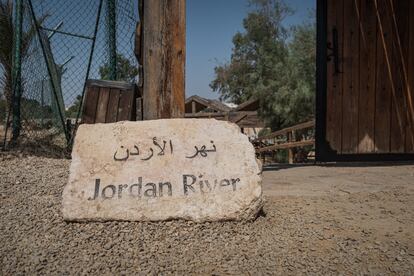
[111, 28]
[17, 66]
[49, 71]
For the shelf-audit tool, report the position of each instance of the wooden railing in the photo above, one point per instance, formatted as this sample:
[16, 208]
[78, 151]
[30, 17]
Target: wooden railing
[244, 119]
[297, 136]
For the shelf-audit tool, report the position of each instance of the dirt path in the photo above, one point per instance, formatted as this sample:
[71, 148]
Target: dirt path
[348, 178]
[317, 220]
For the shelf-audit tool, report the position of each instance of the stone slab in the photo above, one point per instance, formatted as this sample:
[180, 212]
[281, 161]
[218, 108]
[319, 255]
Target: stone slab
[193, 169]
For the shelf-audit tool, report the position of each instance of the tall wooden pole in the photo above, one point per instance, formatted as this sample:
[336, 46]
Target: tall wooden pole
[163, 56]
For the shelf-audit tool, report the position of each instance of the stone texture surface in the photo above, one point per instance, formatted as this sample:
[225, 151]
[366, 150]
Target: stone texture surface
[194, 169]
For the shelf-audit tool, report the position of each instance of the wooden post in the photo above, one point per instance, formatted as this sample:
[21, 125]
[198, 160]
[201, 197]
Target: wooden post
[163, 58]
[290, 150]
[193, 107]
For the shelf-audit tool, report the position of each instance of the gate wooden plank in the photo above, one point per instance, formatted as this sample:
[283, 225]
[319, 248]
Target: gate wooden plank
[383, 93]
[350, 77]
[112, 113]
[334, 80]
[125, 105]
[409, 141]
[399, 16]
[90, 104]
[102, 105]
[368, 54]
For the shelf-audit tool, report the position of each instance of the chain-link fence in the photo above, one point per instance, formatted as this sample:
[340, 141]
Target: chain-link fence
[63, 43]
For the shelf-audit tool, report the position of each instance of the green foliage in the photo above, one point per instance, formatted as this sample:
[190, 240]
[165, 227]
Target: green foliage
[273, 64]
[263, 132]
[34, 110]
[30, 109]
[72, 111]
[125, 71]
[281, 156]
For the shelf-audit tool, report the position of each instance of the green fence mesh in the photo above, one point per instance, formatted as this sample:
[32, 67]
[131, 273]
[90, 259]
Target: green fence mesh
[75, 41]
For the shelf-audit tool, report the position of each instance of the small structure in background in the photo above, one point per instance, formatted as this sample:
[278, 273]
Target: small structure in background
[244, 115]
[196, 104]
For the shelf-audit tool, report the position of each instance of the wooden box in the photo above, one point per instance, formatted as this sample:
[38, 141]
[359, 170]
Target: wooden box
[108, 102]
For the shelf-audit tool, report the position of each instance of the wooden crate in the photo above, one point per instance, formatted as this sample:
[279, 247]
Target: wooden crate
[108, 102]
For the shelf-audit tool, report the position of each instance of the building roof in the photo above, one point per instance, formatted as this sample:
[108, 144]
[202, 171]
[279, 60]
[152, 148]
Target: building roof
[203, 103]
[249, 105]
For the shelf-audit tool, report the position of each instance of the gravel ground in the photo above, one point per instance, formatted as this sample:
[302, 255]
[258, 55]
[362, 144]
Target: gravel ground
[352, 232]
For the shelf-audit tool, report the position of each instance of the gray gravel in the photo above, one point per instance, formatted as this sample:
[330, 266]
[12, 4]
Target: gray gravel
[362, 233]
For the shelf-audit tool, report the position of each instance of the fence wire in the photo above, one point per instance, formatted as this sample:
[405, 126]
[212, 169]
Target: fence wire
[75, 41]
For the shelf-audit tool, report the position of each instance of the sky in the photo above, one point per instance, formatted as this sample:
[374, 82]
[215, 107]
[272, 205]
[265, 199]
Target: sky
[210, 28]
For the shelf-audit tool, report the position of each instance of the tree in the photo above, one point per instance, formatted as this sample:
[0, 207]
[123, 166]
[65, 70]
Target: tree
[271, 63]
[125, 71]
[257, 55]
[294, 101]
[72, 111]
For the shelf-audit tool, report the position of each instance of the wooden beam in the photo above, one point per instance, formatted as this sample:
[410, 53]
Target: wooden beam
[163, 58]
[220, 114]
[112, 84]
[239, 118]
[286, 130]
[244, 119]
[287, 145]
[290, 150]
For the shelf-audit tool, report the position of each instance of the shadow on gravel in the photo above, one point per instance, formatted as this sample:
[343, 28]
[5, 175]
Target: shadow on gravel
[38, 149]
[261, 214]
[277, 167]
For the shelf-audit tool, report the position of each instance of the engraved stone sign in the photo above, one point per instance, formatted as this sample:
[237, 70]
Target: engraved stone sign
[195, 169]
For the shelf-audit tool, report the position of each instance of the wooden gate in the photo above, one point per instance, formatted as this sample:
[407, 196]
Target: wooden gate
[365, 80]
